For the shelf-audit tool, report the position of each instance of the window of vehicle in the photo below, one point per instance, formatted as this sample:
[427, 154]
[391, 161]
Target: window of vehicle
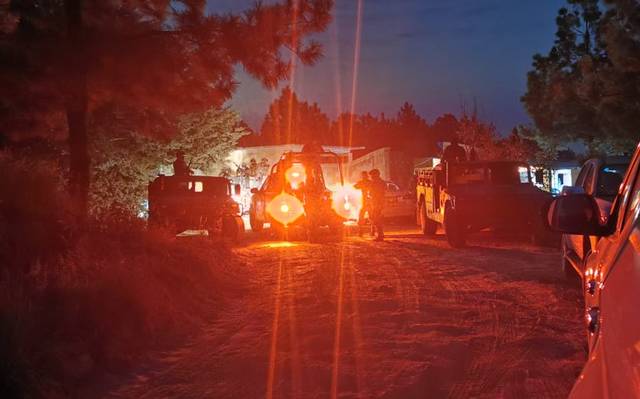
[466, 174]
[511, 175]
[196, 186]
[609, 179]
[525, 177]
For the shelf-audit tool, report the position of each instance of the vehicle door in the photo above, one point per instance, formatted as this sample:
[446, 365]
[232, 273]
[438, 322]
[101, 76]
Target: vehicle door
[585, 181]
[612, 280]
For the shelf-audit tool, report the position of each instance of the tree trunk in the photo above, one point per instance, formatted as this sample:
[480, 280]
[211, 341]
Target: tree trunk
[76, 109]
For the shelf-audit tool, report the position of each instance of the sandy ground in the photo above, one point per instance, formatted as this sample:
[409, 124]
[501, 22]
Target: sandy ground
[405, 318]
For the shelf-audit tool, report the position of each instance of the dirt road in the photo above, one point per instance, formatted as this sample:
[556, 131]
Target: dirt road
[405, 318]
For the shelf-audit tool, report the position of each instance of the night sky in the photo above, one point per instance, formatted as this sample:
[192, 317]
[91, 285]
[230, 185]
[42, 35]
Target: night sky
[438, 55]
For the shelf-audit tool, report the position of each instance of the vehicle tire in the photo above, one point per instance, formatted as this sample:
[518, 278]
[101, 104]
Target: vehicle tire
[454, 230]
[429, 227]
[256, 225]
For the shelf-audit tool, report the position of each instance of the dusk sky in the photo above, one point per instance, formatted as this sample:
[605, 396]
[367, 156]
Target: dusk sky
[438, 55]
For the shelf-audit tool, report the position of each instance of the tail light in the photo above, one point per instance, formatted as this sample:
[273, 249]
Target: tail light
[285, 208]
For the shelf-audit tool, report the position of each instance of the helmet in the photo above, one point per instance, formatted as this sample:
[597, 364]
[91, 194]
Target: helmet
[374, 173]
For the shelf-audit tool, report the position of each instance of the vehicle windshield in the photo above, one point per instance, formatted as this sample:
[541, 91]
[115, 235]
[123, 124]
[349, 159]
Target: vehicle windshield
[509, 174]
[609, 180]
[329, 166]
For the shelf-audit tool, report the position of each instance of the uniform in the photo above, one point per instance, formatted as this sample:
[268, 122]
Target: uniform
[364, 185]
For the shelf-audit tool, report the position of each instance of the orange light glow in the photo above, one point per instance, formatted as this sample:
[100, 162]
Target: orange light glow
[285, 208]
[279, 244]
[347, 201]
[296, 175]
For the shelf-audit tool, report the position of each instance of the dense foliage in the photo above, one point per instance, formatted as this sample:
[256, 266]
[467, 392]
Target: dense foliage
[588, 86]
[125, 163]
[292, 120]
[65, 64]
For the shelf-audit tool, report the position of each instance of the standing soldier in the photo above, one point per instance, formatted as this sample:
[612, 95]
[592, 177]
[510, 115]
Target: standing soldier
[363, 185]
[376, 191]
[180, 167]
[454, 152]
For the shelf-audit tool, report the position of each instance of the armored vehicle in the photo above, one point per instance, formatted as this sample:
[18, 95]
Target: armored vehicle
[299, 193]
[195, 203]
[472, 196]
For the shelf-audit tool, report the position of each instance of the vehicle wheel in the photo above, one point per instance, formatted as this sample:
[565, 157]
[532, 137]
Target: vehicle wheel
[429, 227]
[454, 230]
[256, 225]
[230, 229]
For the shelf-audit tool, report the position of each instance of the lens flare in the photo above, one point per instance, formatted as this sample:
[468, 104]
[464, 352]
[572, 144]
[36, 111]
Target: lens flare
[285, 208]
[346, 201]
[296, 175]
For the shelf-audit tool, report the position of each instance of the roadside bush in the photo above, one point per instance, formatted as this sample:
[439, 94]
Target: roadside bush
[34, 213]
[72, 311]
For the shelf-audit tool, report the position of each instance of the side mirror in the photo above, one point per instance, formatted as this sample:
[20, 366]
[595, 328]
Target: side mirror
[254, 191]
[572, 190]
[577, 214]
[237, 189]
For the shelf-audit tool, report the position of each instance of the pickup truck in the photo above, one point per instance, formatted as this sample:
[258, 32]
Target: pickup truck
[472, 196]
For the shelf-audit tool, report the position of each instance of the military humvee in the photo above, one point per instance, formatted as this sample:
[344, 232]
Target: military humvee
[306, 205]
[195, 203]
[471, 196]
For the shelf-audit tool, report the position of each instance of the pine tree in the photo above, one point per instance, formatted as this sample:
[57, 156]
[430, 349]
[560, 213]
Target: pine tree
[586, 88]
[150, 62]
[290, 120]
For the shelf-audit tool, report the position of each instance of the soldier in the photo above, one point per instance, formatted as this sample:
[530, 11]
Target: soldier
[363, 185]
[376, 191]
[454, 152]
[180, 167]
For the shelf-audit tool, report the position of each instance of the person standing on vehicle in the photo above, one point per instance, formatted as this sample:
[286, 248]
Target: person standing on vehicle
[180, 167]
[363, 185]
[376, 192]
[454, 152]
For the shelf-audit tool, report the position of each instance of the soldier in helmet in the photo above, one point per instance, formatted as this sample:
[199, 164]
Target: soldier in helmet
[180, 167]
[454, 152]
[376, 192]
[363, 185]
